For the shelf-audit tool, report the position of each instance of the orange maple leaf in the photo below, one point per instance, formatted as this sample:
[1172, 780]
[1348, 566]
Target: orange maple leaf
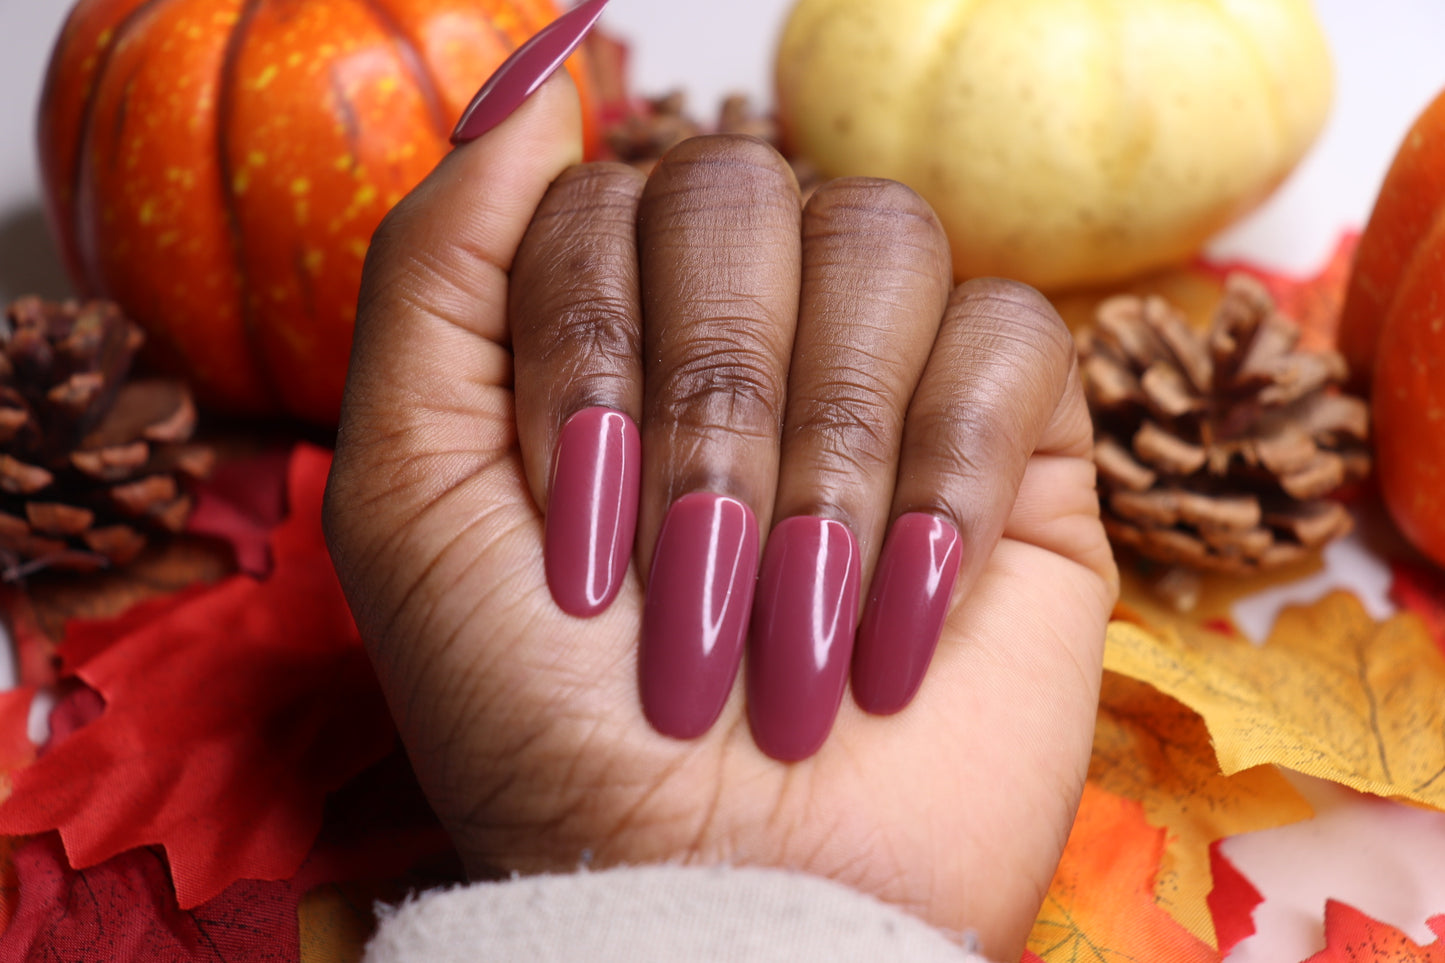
[1100, 905]
[1152, 749]
[1353, 937]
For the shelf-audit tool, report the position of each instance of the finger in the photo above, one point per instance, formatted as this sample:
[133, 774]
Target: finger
[718, 236]
[577, 345]
[428, 408]
[988, 401]
[876, 279]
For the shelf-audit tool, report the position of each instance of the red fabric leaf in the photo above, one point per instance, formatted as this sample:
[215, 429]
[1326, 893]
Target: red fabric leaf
[1231, 901]
[1421, 589]
[123, 909]
[1353, 937]
[16, 749]
[228, 719]
[378, 829]
[1313, 302]
[240, 504]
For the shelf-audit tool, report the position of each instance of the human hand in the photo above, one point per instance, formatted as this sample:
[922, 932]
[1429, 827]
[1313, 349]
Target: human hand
[804, 367]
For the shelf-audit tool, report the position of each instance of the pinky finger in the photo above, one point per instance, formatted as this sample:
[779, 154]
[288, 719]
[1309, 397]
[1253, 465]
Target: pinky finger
[998, 372]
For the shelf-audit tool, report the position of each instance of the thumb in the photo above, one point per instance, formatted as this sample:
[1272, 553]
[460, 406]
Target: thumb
[428, 402]
[434, 287]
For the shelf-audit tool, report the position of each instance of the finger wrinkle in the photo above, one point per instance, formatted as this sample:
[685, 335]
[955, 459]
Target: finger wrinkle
[589, 326]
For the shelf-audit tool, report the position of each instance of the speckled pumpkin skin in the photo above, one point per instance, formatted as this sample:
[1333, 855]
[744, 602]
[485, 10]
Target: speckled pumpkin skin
[218, 167]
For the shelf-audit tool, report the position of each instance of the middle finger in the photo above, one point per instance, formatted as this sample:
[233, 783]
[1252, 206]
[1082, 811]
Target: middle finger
[720, 256]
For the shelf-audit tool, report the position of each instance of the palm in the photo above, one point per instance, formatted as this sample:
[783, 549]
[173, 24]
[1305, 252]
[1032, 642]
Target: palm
[548, 760]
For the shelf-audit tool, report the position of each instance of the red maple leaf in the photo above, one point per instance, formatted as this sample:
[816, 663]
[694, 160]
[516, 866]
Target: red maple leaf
[123, 909]
[1231, 902]
[1420, 588]
[1353, 937]
[230, 712]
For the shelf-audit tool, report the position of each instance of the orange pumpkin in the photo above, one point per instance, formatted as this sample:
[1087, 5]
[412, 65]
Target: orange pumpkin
[1392, 330]
[218, 167]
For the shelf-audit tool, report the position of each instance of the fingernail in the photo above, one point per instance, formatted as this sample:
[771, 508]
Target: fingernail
[904, 615]
[525, 70]
[696, 616]
[802, 635]
[592, 509]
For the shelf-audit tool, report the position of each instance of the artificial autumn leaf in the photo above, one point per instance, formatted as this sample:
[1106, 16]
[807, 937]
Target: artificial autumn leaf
[252, 700]
[1232, 901]
[1156, 751]
[240, 503]
[1353, 937]
[1420, 588]
[124, 909]
[1100, 905]
[1332, 694]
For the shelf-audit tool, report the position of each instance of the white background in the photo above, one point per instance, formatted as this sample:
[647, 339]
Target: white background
[1390, 60]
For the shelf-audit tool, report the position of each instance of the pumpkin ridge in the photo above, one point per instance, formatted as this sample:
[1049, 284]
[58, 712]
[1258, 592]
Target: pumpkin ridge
[1249, 42]
[415, 63]
[84, 253]
[225, 106]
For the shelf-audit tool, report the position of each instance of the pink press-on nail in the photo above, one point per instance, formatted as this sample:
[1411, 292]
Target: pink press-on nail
[696, 617]
[592, 509]
[802, 635]
[906, 606]
[525, 70]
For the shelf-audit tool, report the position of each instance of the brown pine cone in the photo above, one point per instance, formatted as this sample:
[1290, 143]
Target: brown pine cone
[1219, 450]
[90, 463]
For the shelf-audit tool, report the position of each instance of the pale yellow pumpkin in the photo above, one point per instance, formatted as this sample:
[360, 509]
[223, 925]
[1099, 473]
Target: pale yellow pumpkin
[1062, 142]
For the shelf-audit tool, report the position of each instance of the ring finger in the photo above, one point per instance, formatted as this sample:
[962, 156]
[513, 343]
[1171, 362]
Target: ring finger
[876, 279]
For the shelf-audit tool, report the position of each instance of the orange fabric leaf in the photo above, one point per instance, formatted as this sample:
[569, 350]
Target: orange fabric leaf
[1332, 694]
[251, 701]
[1100, 905]
[1353, 937]
[1154, 750]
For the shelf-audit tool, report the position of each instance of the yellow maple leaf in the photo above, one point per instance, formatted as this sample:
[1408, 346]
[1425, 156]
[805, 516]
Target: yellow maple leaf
[1332, 694]
[1100, 905]
[1153, 749]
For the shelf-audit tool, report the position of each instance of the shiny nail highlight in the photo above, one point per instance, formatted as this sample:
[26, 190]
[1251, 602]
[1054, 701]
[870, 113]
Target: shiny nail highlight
[802, 635]
[592, 509]
[525, 70]
[907, 603]
[695, 620]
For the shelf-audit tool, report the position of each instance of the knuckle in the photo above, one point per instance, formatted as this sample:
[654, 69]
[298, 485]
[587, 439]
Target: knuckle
[591, 330]
[1023, 318]
[849, 424]
[721, 381]
[866, 203]
[606, 190]
[730, 170]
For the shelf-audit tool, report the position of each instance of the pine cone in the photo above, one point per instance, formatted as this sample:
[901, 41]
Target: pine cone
[1219, 450]
[89, 463]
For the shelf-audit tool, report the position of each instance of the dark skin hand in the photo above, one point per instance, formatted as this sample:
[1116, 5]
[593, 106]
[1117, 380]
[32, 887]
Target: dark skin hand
[819, 363]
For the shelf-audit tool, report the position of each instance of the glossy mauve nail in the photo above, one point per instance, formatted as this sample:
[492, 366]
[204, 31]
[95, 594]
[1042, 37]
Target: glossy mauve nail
[592, 509]
[802, 635]
[904, 615]
[696, 617]
[525, 70]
